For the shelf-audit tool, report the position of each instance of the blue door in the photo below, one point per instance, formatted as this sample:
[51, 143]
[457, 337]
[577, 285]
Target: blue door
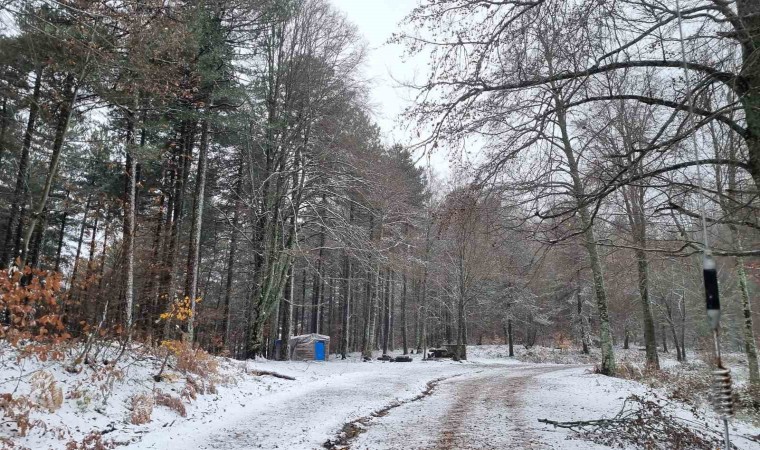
[319, 350]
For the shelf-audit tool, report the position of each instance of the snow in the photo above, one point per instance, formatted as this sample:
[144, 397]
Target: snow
[491, 401]
[307, 413]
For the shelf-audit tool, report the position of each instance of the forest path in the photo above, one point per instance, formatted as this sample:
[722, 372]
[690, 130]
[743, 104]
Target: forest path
[481, 410]
[306, 413]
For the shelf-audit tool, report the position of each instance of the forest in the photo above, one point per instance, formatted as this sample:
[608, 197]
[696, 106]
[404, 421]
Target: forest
[211, 174]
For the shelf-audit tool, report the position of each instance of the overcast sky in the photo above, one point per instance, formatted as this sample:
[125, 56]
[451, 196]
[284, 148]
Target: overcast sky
[377, 20]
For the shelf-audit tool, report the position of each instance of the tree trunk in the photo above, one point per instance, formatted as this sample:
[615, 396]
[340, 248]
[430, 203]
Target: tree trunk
[582, 324]
[19, 192]
[61, 234]
[317, 290]
[130, 214]
[91, 312]
[346, 312]
[633, 197]
[750, 344]
[60, 135]
[387, 312]
[232, 254]
[511, 338]
[73, 279]
[748, 12]
[370, 303]
[193, 254]
[287, 317]
[182, 168]
[38, 240]
[605, 334]
[404, 325]
[3, 129]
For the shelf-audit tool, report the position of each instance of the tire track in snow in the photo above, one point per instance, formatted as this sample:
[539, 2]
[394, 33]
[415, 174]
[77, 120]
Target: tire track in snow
[353, 429]
[466, 423]
[481, 410]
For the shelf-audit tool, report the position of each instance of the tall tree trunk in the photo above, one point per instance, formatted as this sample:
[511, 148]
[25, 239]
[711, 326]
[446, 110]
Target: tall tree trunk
[633, 197]
[287, 316]
[61, 234]
[74, 270]
[302, 322]
[19, 192]
[748, 12]
[232, 254]
[67, 109]
[3, 129]
[669, 312]
[387, 312]
[318, 282]
[582, 324]
[404, 325]
[346, 312]
[605, 333]
[182, 169]
[372, 283]
[750, 344]
[87, 289]
[130, 215]
[193, 254]
[38, 239]
[511, 338]
[102, 269]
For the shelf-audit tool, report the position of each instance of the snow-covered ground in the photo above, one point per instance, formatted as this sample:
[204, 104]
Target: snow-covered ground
[490, 401]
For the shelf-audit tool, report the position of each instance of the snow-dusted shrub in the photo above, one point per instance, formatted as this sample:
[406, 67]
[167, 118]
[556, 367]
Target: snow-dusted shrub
[16, 410]
[93, 441]
[171, 402]
[192, 360]
[141, 406]
[626, 369]
[46, 394]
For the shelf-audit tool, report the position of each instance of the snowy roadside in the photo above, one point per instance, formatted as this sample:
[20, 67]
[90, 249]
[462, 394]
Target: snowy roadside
[501, 408]
[577, 395]
[233, 408]
[306, 413]
[500, 397]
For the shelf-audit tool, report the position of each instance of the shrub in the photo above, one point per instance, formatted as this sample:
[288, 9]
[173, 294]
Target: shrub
[196, 361]
[93, 441]
[46, 394]
[171, 402]
[141, 409]
[16, 410]
[29, 299]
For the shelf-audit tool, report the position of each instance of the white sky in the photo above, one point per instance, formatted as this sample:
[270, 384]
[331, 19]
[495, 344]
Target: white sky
[377, 20]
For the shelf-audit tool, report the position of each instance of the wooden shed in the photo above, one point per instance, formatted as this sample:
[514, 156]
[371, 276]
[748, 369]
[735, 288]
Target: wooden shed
[309, 347]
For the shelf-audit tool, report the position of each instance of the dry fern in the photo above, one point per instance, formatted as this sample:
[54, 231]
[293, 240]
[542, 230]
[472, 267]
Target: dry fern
[93, 441]
[141, 409]
[46, 394]
[171, 402]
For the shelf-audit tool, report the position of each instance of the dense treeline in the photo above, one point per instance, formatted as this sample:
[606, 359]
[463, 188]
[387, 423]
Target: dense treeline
[213, 160]
[210, 171]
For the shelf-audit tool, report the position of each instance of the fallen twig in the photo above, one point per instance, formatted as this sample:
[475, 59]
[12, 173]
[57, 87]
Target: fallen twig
[259, 373]
[645, 424]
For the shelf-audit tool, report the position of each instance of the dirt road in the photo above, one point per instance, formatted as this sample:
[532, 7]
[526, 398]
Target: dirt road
[481, 410]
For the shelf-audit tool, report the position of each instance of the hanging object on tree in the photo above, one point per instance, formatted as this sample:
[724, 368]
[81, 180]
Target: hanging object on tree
[722, 398]
[721, 394]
